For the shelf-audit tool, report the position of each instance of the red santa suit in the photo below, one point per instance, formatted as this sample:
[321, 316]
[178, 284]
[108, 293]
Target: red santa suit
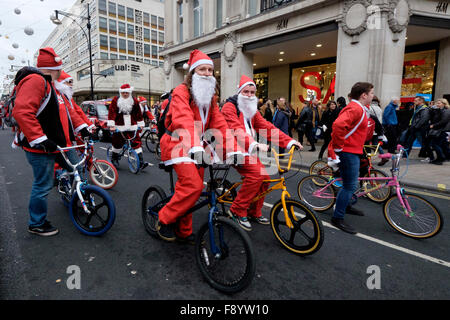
[144, 109]
[126, 121]
[253, 170]
[186, 124]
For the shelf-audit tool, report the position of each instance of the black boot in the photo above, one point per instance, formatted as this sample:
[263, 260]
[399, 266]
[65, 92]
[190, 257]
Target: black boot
[142, 162]
[115, 160]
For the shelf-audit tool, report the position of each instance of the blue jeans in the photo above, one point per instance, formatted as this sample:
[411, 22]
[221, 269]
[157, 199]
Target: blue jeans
[43, 165]
[349, 169]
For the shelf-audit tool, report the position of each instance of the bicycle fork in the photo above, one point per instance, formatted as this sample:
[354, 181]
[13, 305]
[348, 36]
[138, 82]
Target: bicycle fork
[78, 184]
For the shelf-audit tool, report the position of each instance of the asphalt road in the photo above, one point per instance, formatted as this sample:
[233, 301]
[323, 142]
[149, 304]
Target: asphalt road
[127, 264]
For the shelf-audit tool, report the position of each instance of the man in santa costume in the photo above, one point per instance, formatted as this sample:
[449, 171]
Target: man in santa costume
[145, 110]
[125, 115]
[192, 111]
[45, 121]
[240, 112]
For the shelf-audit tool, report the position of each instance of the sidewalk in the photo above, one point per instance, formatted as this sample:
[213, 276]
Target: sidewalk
[419, 174]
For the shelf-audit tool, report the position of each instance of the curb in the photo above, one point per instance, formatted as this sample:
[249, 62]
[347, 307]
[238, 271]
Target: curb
[439, 188]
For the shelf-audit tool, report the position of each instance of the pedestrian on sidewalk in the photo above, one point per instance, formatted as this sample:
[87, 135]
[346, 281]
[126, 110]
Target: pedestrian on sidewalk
[346, 146]
[304, 126]
[390, 124]
[341, 103]
[328, 117]
[418, 125]
[440, 125]
[281, 118]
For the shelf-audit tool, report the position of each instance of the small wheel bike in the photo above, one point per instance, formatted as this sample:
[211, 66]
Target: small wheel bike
[91, 208]
[223, 251]
[293, 223]
[134, 163]
[411, 215]
[321, 168]
[150, 136]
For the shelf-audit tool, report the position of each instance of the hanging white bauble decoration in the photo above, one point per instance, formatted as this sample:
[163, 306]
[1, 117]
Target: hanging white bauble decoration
[28, 31]
[17, 11]
[15, 45]
[11, 57]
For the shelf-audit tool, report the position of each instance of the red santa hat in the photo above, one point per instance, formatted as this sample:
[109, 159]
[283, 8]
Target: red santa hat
[245, 81]
[64, 77]
[48, 59]
[126, 88]
[142, 99]
[197, 58]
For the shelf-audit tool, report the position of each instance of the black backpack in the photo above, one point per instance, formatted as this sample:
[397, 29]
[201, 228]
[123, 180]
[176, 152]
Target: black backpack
[9, 104]
[160, 124]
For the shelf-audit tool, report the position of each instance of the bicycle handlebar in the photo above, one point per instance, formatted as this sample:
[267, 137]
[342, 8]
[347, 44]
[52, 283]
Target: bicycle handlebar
[86, 144]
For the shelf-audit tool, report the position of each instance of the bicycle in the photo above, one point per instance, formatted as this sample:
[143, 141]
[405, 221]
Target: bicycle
[223, 251]
[102, 173]
[289, 218]
[150, 136]
[411, 215]
[132, 157]
[91, 208]
[321, 168]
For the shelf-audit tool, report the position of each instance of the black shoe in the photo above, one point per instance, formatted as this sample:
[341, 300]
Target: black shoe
[437, 161]
[45, 230]
[143, 165]
[353, 211]
[313, 149]
[166, 231]
[188, 240]
[115, 163]
[383, 162]
[340, 224]
[260, 220]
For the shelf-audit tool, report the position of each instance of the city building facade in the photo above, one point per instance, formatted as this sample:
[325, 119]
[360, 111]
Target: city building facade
[126, 39]
[299, 49]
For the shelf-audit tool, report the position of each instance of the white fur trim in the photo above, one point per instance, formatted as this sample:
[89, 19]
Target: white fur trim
[127, 128]
[246, 84]
[252, 146]
[110, 123]
[200, 62]
[126, 90]
[84, 125]
[196, 149]
[52, 68]
[179, 160]
[141, 124]
[290, 144]
[138, 150]
[38, 140]
[116, 150]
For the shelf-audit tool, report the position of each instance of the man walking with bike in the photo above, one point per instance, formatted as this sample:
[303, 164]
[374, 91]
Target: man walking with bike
[125, 115]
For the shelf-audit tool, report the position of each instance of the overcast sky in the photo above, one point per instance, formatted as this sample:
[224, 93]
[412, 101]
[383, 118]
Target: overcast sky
[34, 14]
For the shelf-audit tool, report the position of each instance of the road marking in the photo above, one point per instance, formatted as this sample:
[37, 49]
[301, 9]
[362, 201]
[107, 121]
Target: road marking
[387, 244]
[150, 164]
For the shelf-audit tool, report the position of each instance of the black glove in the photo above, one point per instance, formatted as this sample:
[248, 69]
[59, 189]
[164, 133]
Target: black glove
[85, 133]
[198, 157]
[238, 159]
[49, 146]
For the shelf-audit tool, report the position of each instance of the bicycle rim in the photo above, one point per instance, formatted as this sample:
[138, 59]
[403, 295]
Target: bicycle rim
[150, 142]
[133, 161]
[153, 200]
[424, 220]
[107, 177]
[232, 270]
[381, 194]
[321, 168]
[306, 237]
[311, 184]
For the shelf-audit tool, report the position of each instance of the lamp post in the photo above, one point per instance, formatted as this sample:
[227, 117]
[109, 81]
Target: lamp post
[71, 16]
[149, 81]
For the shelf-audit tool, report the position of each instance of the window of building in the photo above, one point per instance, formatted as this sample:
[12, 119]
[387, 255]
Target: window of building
[112, 43]
[252, 7]
[131, 58]
[161, 37]
[154, 21]
[130, 47]
[112, 9]
[103, 42]
[146, 34]
[154, 52]
[180, 21]
[147, 61]
[154, 36]
[198, 18]
[130, 30]
[121, 12]
[113, 56]
[103, 55]
[122, 45]
[161, 23]
[122, 57]
[102, 6]
[146, 50]
[112, 26]
[130, 14]
[146, 19]
[122, 29]
[103, 24]
[219, 13]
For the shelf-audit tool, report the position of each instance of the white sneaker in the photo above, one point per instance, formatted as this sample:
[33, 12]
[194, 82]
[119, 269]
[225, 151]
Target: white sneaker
[426, 160]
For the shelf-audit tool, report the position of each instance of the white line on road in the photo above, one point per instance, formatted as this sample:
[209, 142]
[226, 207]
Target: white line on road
[387, 244]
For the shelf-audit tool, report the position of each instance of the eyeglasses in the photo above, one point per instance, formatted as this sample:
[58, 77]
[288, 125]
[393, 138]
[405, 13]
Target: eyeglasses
[70, 81]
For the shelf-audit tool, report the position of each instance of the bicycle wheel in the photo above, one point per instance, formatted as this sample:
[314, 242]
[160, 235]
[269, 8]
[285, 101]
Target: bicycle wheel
[310, 184]
[153, 200]
[381, 194]
[423, 221]
[158, 150]
[133, 161]
[321, 168]
[103, 174]
[102, 211]
[221, 190]
[233, 269]
[306, 237]
[151, 141]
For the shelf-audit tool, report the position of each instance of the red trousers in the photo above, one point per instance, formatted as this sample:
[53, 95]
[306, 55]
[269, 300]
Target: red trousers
[118, 141]
[253, 185]
[188, 189]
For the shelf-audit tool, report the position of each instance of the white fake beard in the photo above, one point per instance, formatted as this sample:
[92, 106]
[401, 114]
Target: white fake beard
[64, 89]
[247, 105]
[203, 89]
[125, 105]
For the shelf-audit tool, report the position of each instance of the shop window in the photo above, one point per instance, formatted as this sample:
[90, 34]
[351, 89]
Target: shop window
[418, 75]
[262, 85]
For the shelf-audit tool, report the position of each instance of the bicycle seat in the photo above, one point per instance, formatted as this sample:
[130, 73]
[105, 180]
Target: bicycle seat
[221, 166]
[385, 156]
[165, 167]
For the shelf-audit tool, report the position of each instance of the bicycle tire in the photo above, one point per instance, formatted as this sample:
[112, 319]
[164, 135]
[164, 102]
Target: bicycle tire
[310, 184]
[403, 224]
[307, 225]
[234, 270]
[380, 195]
[105, 217]
[151, 142]
[109, 173]
[133, 161]
[153, 196]
[321, 168]
[109, 153]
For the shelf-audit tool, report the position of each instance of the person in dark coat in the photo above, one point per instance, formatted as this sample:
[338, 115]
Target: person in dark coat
[281, 118]
[440, 124]
[305, 125]
[328, 117]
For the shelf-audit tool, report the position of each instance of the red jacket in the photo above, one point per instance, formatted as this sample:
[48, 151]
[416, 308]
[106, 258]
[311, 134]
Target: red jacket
[122, 121]
[246, 136]
[184, 122]
[349, 130]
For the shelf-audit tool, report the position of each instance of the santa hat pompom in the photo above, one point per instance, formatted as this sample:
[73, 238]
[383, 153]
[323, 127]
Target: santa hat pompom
[58, 59]
[185, 66]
